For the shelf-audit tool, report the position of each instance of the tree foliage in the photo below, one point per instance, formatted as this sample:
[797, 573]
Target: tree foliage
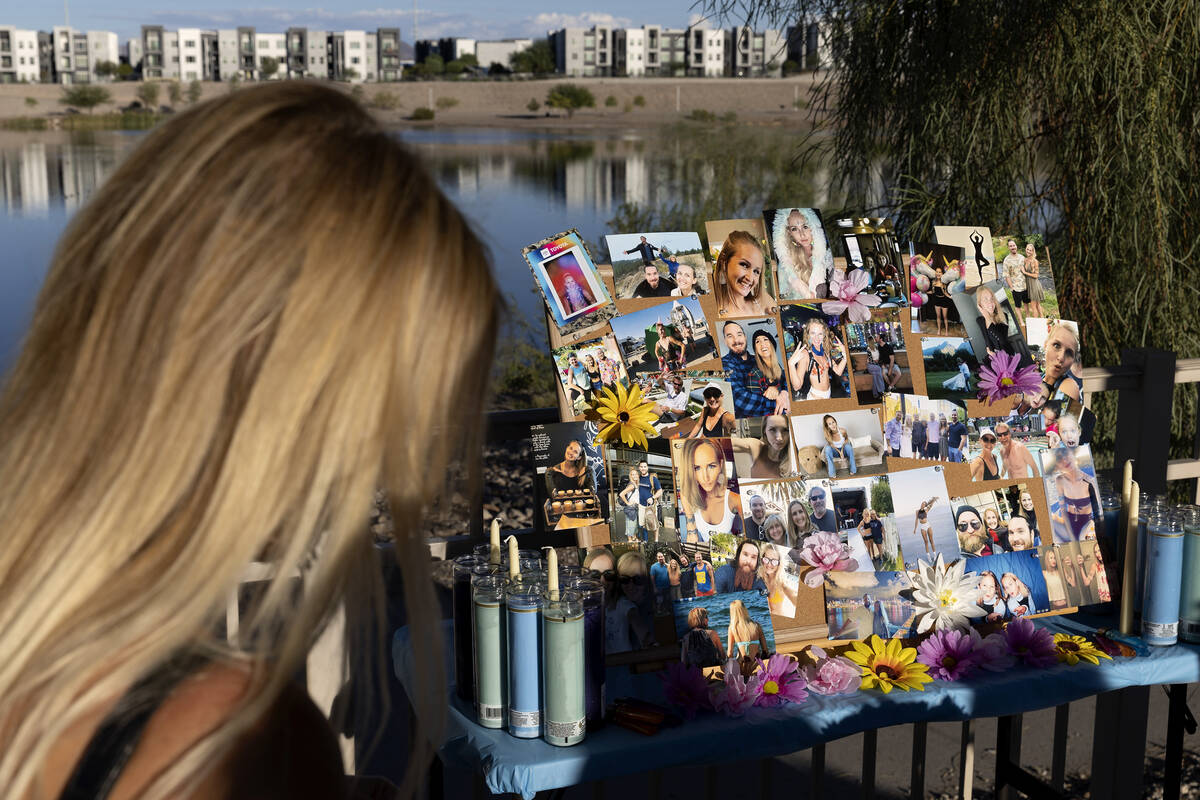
[538, 59]
[85, 95]
[175, 93]
[570, 97]
[195, 92]
[147, 93]
[268, 67]
[106, 69]
[1079, 119]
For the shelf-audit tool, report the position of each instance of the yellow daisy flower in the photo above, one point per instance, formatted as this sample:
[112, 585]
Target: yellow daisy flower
[627, 414]
[1073, 649]
[887, 663]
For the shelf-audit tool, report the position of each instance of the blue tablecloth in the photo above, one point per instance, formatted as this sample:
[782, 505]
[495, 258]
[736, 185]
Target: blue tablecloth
[525, 767]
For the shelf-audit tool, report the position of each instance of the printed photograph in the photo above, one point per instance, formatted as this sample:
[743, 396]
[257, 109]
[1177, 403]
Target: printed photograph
[878, 358]
[1055, 346]
[678, 572]
[671, 336]
[950, 368]
[628, 599]
[648, 264]
[928, 430]
[803, 257]
[1007, 448]
[839, 445]
[1025, 269]
[991, 323]
[762, 449]
[818, 361]
[1072, 492]
[586, 368]
[859, 604]
[924, 516]
[1011, 586]
[736, 624]
[1067, 423]
[979, 265]
[572, 485]
[866, 515]
[935, 273]
[866, 254]
[683, 397]
[707, 487]
[569, 282]
[996, 522]
[642, 493]
[742, 282]
[780, 513]
[1075, 574]
[753, 362]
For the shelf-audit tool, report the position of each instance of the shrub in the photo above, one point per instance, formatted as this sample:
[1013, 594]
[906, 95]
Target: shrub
[639, 101]
[31, 101]
[357, 92]
[701, 115]
[446, 102]
[175, 93]
[729, 117]
[85, 96]
[422, 113]
[195, 92]
[610, 101]
[570, 97]
[628, 107]
[147, 93]
[384, 100]
[533, 104]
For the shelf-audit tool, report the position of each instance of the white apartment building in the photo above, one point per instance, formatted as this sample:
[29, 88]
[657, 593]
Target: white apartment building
[19, 55]
[751, 54]
[705, 53]
[191, 54]
[499, 51]
[273, 46]
[630, 52]
[131, 52]
[583, 52]
[171, 60]
[101, 46]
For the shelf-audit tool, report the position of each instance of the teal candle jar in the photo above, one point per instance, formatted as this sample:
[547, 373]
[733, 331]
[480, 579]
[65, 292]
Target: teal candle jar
[1189, 594]
[491, 678]
[563, 688]
[1164, 574]
[464, 568]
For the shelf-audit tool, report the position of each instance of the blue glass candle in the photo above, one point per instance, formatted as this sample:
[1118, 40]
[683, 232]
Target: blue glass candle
[1111, 505]
[591, 593]
[491, 678]
[1150, 505]
[523, 606]
[563, 668]
[1164, 564]
[464, 680]
[1189, 596]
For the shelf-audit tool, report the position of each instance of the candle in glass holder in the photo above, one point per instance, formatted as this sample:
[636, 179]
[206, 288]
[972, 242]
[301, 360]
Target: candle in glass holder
[591, 593]
[491, 679]
[464, 567]
[523, 606]
[1111, 505]
[1189, 595]
[563, 668]
[1164, 560]
[1148, 505]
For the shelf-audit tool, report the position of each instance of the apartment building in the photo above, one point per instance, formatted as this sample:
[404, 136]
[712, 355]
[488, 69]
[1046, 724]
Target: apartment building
[131, 53]
[102, 47]
[19, 55]
[499, 51]
[583, 52]
[388, 67]
[152, 52]
[705, 53]
[753, 54]
[629, 56]
[805, 43]
[191, 54]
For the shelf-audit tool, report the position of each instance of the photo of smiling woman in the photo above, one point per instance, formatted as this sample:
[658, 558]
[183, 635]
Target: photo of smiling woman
[1056, 350]
[817, 367]
[740, 277]
[801, 252]
[707, 488]
[770, 455]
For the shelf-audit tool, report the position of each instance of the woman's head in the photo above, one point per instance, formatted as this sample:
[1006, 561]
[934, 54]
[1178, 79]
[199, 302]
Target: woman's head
[599, 559]
[991, 518]
[1061, 349]
[764, 345]
[633, 575]
[698, 617]
[574, 451]
[1026, 501]
[816, 332]
[712, 399]
[703, 470]
[738, 614]
[830, 424]
[798, 517]
[799, 230]
[589, 361]
[740, 266]
[772, 558]
[685, 278]
[774, 529]
[1030, 250]
[1013, 586]
[985, 301]
[775, 434]
[1064, 458]
[245, 332]
[1050, 559]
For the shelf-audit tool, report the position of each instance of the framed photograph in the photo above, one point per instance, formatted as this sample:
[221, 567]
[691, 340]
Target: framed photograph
[868, 244]
[707, 485]
[569, 281]
[762, 449]
[740, 620]
[1056, 349]
[997, 521]
[642, 493]
[1072, 492]
[803, 257]
[1012, 586]
[586, 368]
[1025, 269]
[878, 356]
[867, 517]
[924, 516]
[1007, 448]
[647, 265]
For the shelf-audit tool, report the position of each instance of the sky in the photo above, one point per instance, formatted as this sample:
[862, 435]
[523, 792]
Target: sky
[479, 19]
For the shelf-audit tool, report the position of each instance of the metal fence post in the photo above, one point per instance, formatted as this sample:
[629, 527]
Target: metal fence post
[1144, 414]
[1119, 743]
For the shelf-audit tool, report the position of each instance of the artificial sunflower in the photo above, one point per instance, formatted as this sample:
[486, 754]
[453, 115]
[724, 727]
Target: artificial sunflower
[1073, 649]
[627, 414]
[887, 664]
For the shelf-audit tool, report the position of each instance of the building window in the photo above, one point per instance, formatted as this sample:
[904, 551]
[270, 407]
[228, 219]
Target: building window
[263, 44]
[175, 59]
[190, 59]
[354, 59]
[356, 45]
[189, 43]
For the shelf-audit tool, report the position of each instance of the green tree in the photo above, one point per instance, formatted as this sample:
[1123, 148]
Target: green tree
[385, 100]
[235, 82]
[147, 93]
[455, 67]
[357, 92]
[174, 93]
[570, 97]
[469, 60]
[195, 92]
[125, 72]
[85, 95]
[268, 67]
[881, 497]
[434, 64]
[538, 59]
[106, 69]
[350, 74]
[31, 102]
[533, 104]
[610, 101]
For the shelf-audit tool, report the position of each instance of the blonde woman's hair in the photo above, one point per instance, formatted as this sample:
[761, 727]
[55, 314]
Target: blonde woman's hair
[741, 627]
[801, 262]
[775, 519]
[221, 369]
[693, 495]
[771, 369]
[698, 617]
[721, 289]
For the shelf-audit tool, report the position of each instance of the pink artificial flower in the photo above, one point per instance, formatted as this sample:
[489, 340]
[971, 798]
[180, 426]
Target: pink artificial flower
[949, 654]
[736, 694]
[849, 295]
[832, 674]
[825, 552]
[1000, 378]
[781, 682]
[1030, 644]
[686, 688]
[992, 652]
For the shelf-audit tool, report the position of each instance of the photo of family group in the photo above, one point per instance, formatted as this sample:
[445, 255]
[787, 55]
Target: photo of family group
[950, 368]
[707, 488]
[572, 485]
[935, 274]
[779, 513]
[1075, 574]
[673, 335]
[994, 522]
[927, 430]
[1072, 492]
[586, 368]
[713, 629]
[657, 265]
[845, 444]
[1025, 270]
[878, 358]
[743, 282]
[924, 516]
[751, 357]
[803, 257]
[1011, 585]
[859, 604]
[569, 282]
[868, 244]
[818, 361]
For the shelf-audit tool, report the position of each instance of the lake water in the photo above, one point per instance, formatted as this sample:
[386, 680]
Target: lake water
[516, 186]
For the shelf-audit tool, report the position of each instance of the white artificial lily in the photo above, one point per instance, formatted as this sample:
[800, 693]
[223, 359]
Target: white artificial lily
[945, 598]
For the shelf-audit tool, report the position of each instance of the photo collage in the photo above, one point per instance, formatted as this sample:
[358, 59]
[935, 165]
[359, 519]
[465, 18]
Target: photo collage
[792, 417]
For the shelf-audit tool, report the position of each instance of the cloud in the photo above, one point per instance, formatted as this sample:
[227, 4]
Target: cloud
[552, 21]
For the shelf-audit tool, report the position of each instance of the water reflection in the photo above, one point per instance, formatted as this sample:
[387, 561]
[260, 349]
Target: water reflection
[56, 173]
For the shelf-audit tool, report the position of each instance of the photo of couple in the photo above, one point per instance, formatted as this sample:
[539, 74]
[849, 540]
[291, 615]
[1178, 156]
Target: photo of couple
[750, 356]
[878, 358]
[950, 368]
[1025, 268]
[657, 265]
[1006, 447]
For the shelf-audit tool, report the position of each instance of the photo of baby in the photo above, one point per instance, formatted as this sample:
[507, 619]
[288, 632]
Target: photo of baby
[801, 251]
[859, 604]
[950, 368]
[743, 282]
[818, 361]
[648, 265]
[935, 273]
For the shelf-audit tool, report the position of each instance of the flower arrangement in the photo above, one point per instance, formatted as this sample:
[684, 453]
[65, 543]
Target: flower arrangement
[1000, 377]
[944, 597]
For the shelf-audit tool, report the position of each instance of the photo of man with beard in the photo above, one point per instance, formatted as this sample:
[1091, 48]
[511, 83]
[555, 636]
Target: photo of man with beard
[741, 573]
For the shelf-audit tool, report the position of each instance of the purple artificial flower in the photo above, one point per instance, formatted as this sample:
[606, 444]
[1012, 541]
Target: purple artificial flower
[832, 674]
[849, 295]
[949, 654]
[1000, 377]
[686, 688]
[737, 694]
[1031, 645]
[781, 682]
[825, 552]
[992, 652]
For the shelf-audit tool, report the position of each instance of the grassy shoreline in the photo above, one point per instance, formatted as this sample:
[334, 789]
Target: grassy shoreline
[112, 121]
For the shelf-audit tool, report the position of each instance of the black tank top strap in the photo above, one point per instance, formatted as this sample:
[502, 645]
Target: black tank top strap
[117, 737]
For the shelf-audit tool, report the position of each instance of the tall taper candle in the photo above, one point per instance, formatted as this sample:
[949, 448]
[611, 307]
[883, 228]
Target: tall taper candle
[523, 605]
[1127, 482]
[551, 572]
[494, 554]
[491, 680]
[514, 560]
[1129, 574]
[562, 668]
